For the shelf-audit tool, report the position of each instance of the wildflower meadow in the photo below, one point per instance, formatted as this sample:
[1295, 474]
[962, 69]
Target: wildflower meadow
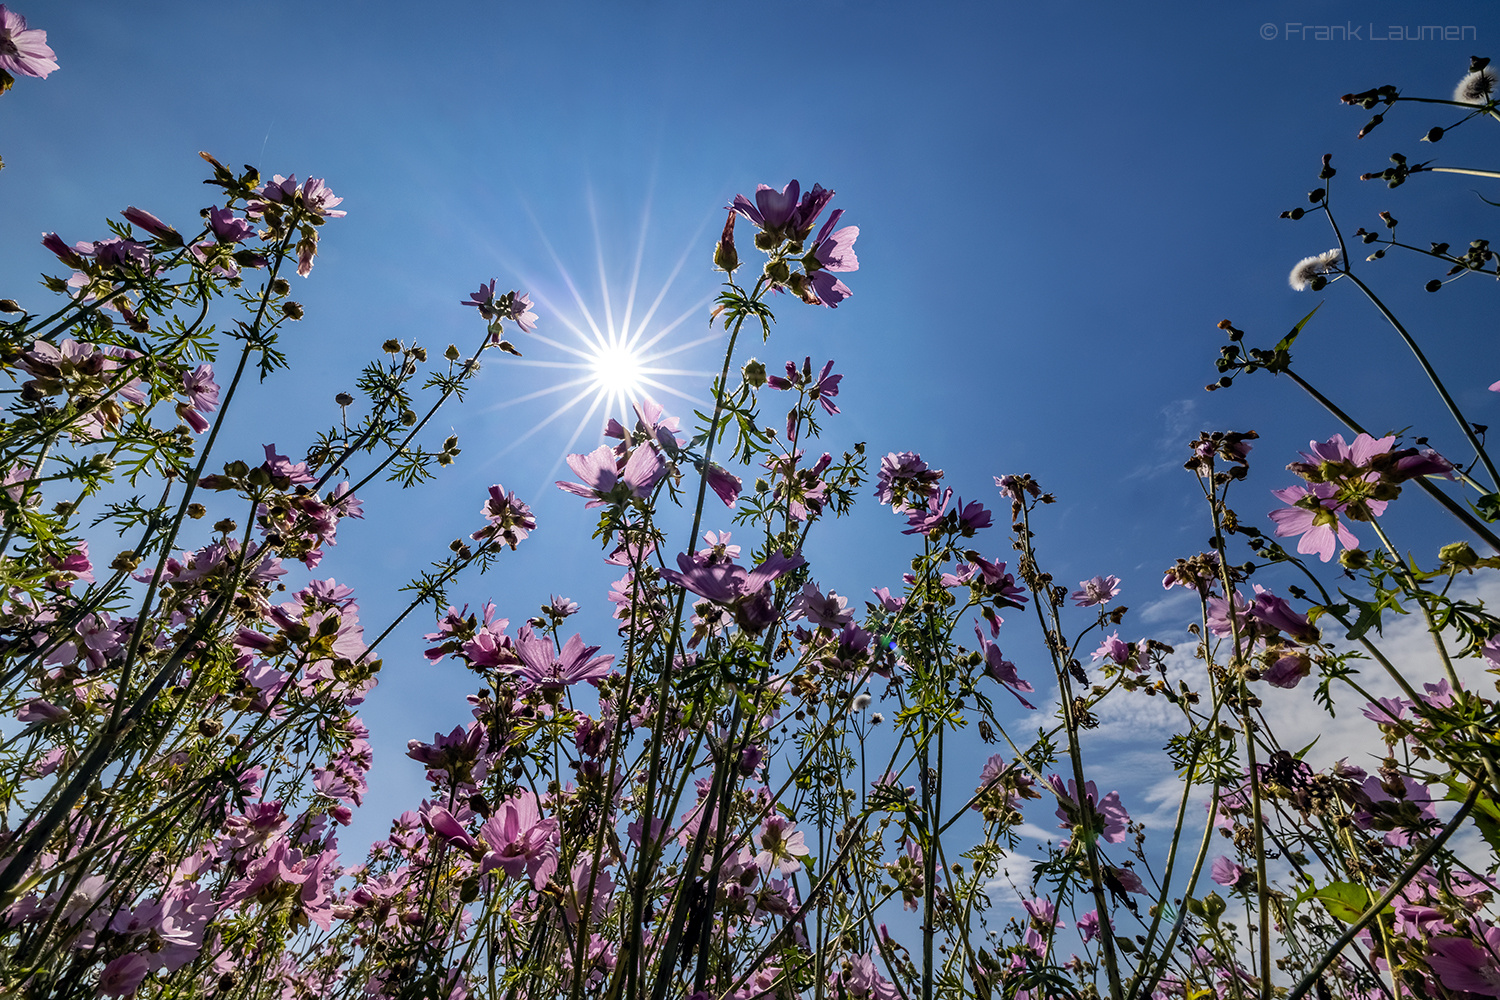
[746, 785]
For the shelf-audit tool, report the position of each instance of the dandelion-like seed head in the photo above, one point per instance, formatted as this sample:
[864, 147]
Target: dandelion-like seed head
[1309, 268]
[1476, 88]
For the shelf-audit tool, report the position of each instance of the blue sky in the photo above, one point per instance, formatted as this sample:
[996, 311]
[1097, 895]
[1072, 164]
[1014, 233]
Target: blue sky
[1057, 204]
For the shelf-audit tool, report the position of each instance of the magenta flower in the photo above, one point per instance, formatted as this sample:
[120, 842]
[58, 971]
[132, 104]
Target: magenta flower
[229, 228]
[320, 200]
[483, 300]
[1271, 610]
[24, 51]
[862, 981]
[725, 484]
[606, 481]
[1099, 590]
[779, 213]
[1088, 926]
[1317, 522]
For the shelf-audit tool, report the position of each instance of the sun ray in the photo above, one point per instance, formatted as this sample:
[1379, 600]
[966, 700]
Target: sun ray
[609, 317]
[549, 390]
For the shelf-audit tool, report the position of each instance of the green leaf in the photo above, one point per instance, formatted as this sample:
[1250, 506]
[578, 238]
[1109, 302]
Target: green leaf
[1285, 343]
[1346, 901]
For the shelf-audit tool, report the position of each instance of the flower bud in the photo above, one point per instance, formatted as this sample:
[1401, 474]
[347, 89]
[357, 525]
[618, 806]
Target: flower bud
[1459, 554]
[408, 418]
[293, 310]
[392, 346]
[1434, 285]
[344, 399]
[726, 258]
[196, 510]
[9, 305]
[778, 271]
[754, 373]
[1355, 559]
[452, 353]
[420, 353]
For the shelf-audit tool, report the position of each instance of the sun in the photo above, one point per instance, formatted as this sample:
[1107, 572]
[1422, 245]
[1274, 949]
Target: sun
[613, 349]
[617, 370]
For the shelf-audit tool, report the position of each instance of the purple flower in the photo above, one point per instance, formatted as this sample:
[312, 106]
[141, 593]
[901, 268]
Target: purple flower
[826, 290]
[152, 225]
[1271, 610]
[546, 669]
[926, 519]
[729, 584]
[834, 251]
[281, 467]
[124, 975]
[1109, 812]
[1099, 590]
[1002, 670]
[1317, 522]
[484, 299]
[1230, 875]
[1465, 965]
[1088, 926]
[319, 200]
[972, 517]
[519, 311]
[828, 612]
[605, 481]
[229, 228]
[1114, 648]
[1291, 666]
[725, 484]
[24, 51]
[203, 396]
[510, 519]
[905, 481]
[772, 209]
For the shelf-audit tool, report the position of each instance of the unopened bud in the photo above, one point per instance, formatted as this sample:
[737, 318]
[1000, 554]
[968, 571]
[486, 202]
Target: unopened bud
[344, 399]
[281, 286]
[392, 346]
[1355, 559]
[754, 373]
[408, 418]
[452, 353]
[726, 258]
[1459, 554]
[125, 561]
[196, 510]
[9, 305]
[778, 272]
[420, 353]
[293, 310]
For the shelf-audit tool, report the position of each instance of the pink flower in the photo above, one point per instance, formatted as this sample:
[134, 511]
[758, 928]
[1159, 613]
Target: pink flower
[1108, 811]
[520, 841]
[24, 51]
[1229, 874]
[1307, 515]
[605, 480]
[779, 846]
[1099, 590]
